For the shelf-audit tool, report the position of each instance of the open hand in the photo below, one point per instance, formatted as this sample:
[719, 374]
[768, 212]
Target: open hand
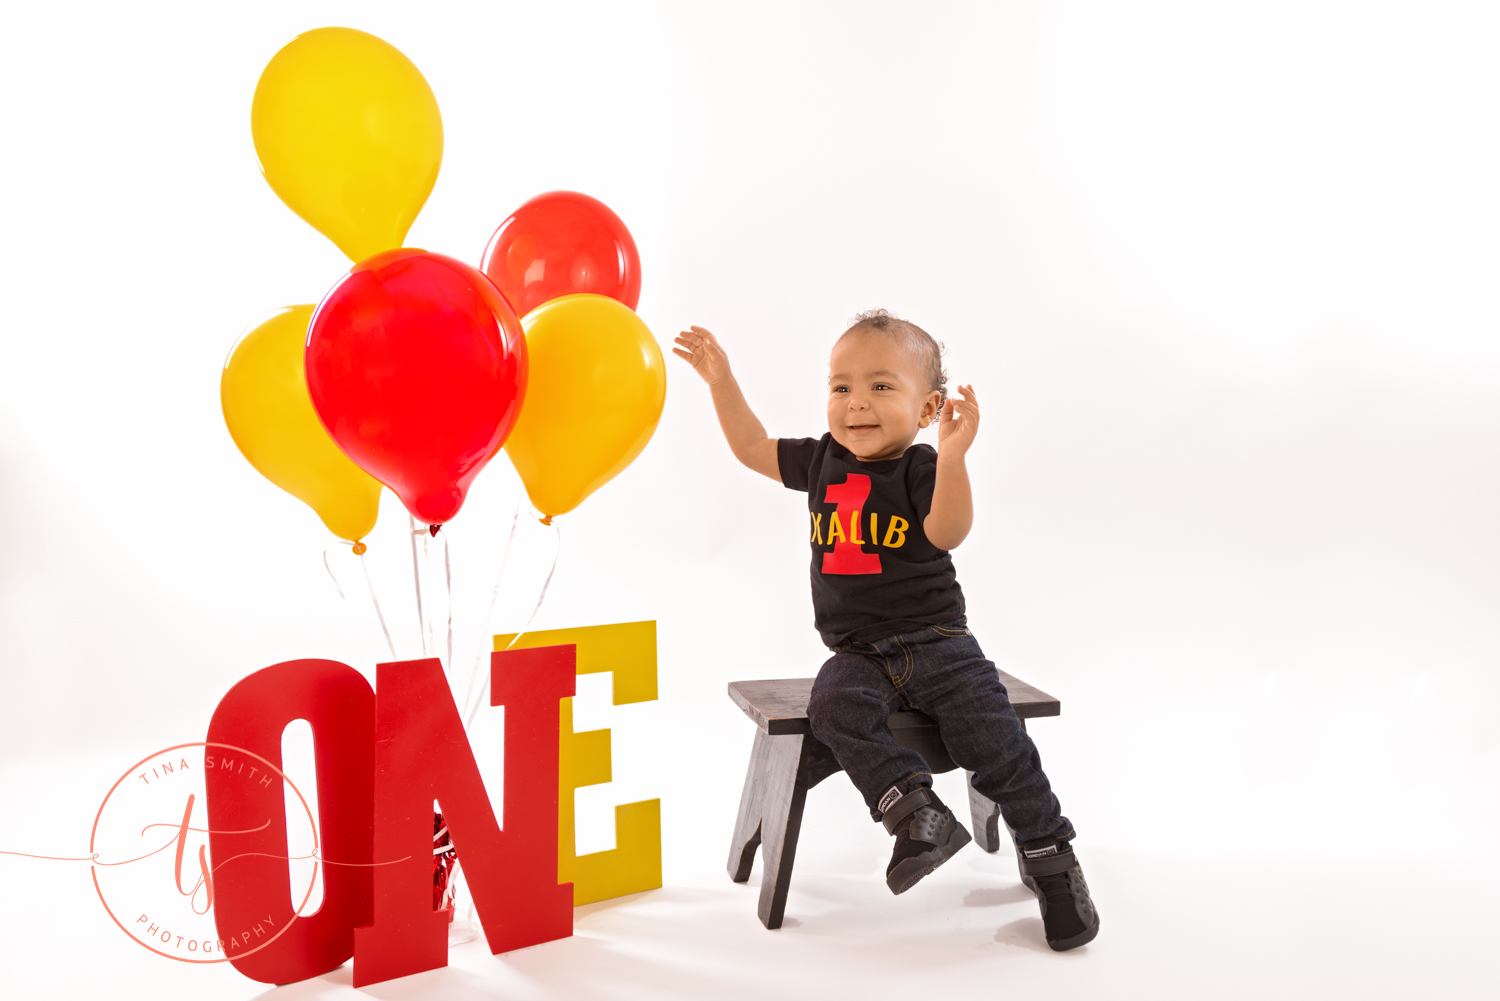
[700, 349]
[958, 423]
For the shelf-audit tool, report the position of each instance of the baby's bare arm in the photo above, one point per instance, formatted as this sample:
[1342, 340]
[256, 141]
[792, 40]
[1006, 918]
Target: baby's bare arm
[742, 429]
[952, 513]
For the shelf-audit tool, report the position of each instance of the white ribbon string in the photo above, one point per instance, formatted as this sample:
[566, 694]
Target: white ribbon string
[416, 578]
[376, 602]
[448, 576]
[479, 658]
[541, 597]
[332, 577]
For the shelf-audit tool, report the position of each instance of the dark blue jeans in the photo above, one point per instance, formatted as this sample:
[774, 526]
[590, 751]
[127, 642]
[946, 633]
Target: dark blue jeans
[941, 671]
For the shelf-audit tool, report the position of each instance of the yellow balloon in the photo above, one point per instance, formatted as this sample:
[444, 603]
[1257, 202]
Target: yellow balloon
[594, 395]
[264, 395]
[349, 136]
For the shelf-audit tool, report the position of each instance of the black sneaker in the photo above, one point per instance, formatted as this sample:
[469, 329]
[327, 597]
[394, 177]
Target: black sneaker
[927, 835]
[1051, 871]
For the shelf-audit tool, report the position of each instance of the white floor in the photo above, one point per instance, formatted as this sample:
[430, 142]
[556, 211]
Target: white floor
[1191, 926]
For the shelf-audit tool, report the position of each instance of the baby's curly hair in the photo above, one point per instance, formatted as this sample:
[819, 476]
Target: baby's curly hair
[927, 347]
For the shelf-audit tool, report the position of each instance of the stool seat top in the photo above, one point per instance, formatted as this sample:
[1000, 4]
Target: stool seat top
[779, 705]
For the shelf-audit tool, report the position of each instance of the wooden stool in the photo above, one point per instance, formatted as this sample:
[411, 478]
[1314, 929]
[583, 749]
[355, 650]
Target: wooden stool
[788, 760]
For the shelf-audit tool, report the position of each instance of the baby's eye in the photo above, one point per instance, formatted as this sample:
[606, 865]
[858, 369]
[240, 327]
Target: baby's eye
[882, 385]
[841, 389]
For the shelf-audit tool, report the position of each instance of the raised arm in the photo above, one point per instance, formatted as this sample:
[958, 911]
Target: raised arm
[742, 429]
[952, 513]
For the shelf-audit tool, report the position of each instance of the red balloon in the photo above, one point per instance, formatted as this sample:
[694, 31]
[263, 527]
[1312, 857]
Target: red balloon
[560, 243]
[416, 365]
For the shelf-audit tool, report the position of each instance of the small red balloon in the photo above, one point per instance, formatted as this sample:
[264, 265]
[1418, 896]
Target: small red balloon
[416, 365]
[560, 243]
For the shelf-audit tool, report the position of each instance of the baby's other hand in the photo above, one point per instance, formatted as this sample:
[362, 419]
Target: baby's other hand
[958, 423]
[701, 349]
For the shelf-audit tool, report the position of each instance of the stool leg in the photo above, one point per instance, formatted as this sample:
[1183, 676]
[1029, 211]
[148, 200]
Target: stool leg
[770, 817]
[747, 824]
[985, 815]
[781, 824]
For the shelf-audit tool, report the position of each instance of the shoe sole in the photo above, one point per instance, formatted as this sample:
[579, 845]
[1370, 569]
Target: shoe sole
[909, 873]
[1082, 938]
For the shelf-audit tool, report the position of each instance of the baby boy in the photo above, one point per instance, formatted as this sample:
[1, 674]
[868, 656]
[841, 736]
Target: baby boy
[884, 514]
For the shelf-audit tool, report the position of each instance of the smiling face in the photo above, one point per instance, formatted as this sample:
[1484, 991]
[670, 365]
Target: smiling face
[878, 394]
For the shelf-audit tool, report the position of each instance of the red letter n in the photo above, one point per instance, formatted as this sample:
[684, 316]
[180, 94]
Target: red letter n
[421, 755]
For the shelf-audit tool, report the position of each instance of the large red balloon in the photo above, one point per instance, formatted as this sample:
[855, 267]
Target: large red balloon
[416, 365]
[560, 243]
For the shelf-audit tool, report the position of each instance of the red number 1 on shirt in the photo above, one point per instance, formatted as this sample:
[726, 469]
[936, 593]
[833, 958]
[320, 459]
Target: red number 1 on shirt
[847, 556]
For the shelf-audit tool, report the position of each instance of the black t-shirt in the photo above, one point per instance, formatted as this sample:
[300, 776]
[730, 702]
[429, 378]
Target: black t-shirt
[874, 574]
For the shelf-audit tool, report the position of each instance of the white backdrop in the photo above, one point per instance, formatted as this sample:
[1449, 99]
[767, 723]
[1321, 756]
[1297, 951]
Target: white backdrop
[1223, 276]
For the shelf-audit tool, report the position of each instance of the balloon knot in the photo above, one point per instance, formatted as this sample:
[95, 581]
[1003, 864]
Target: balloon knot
[359, 548]
[433, 530]
[546, 519]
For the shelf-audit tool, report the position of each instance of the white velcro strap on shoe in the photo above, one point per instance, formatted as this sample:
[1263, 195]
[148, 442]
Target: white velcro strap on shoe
[1048, 865]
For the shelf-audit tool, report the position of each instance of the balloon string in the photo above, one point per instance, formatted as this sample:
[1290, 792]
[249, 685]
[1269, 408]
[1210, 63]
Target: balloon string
[416, 578]
[431, 644]
[376, 602]
[448, 576]
[332, 577]
[541, 597]
[489, 611]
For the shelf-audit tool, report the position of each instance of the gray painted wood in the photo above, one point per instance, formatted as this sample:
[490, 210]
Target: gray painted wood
[984, 816]
[786, 760]
[779, 705]
[782, 824]
[748, 822]
[918, 732]
[770, 818]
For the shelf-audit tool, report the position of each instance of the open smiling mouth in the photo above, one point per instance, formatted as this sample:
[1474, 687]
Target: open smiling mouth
[862, 427]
